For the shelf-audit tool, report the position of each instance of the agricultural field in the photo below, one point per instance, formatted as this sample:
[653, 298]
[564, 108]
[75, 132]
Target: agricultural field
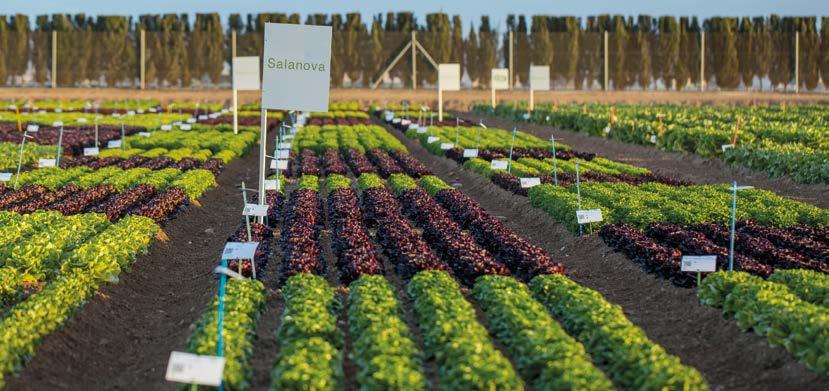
[394, 252]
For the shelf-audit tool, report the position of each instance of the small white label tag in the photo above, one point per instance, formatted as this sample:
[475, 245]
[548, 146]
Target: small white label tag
[255, 210]
[589, 216]
[239, 250]
[41, 112]
[131, 112]
[93, 151]
[185, 127]
[166, 127]
[699, 263]
[225, 111]
[653, 139]
[283, 146]
[152, 109]
[526, 116]
[191, 120]
[413, 126]
[116, 115]
[396, 121]
[59, 110]
[607, 130]
[422, 129]
[5, 176]
[470, 153]
[271, 184]
[498, 164]
[114, 144]
[388, 116]
[445, 146]
[82, 120]
[214, 115]
[46, 163]
[432, 139]
[405, 122]
[202, 117]
[195, 369]
[288, 137]
[279, 164]
[725, 147]
[530, 182]
[32, 128]
[57, 124]
[140, 111]
[283, 153]
[145, 134]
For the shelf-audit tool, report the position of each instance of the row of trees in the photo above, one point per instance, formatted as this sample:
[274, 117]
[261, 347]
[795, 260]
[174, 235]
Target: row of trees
[643, 52]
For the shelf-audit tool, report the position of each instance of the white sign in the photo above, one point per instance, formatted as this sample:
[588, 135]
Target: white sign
[185, 127]
[653, 139]
[202, 117]
[699, 263]
[283, 146]
[725, 147]
[589, 216]
[140, 111]
[145, 134]
[59, 110]
[114, 144]
[539, 77]
[405, 122]
[431, 139]
[470, 152]
[388, 115]
[530, 182]
[283, 154]
[255, 210]
[413, 126]
[449, 77]
[500, 79]
[191, 120]
[396, 120]
[422, 129]
[166, 127]
[498, 164]
[246, 73]
[5, 176]
[195, 369]
[81, 120]
[131, 112]
[445, 146]
[32, 128]
[57, 124]
[46, 163]
[297, 67]
[271, 184]
[279, 164]
[93, 151]
[239, 250]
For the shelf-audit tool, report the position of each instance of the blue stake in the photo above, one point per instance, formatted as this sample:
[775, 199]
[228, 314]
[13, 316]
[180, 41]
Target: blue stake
[733, 223]
[555, 162]
[578, 191]
[221, 315]
[511, 145]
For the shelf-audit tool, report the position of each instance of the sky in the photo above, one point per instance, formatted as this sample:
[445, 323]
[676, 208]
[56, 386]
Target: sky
[470, 10]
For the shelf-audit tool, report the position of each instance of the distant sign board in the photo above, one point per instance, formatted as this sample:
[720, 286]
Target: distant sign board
[500, 79]
[449, 77]
[246, 73]
[540, 77]
[297, 67]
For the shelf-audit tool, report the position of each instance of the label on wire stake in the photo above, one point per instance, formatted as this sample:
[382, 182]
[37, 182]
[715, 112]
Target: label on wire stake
[195, 369]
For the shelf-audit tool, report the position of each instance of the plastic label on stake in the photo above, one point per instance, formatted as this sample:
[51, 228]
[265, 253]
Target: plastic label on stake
[432, 139]
[5, 176]
[699, 263]
[283, 146]
[239, 250]
[166, 127]
[195, 369]
[82, 120]
[530, 182]
[202, 117]
[191, 120]
[498, 164]
[57, 124]
[422, 129]
[283, 154]
[589, 216]
[93, 151]
[46, 163]
[725, 147]
[446, 146]
[114, 144]
[255, 210]
[271, 184]
[470, 152]
[185, 127]
[145, 134]
[32, 128]
[279, 164]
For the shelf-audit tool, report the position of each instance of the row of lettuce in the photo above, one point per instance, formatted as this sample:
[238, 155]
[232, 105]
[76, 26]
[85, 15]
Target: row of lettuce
[780, 140]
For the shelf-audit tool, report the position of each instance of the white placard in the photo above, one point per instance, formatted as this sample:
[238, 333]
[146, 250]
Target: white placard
[288, 137]
[202, 117]
[46, 163]
[699, 263]
[470, 152]
[297, 67]
[131, 112]
[279, 164]
[388, 115]
[540, 77]
[185, 127]
[191, 120]
[283, 146]
[5, 176]
[283, 153]
[214, 115]
[92, 151]
[225, 111]
[32, 128]
[255, 210]
[82, 120]
[449, 77]
[725, 147]
[589, 216]
[498, 164]
[41, 112]
[114, 144]
[145, 134]
[413, 126]
[116, 115]
[395, 120]
[239, 250]
[446, 146]
[422, 129]
[152, 109]
[653, 139]
[405, 122]
[57, 124]
[140, 111]
[530, 182]
[59, 110]
[166, 127]
[500, 79]
[271, 184]
[195, 369]
[246, 73]
[431, 139]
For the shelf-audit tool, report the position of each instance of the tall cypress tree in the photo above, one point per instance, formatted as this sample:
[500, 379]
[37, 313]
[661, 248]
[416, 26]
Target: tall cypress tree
[457, 41]
[745, 51]
[338, 65]
[618, 44]
[437, 40]
[207, 47]
[590, 57]
[471, 55]
[374, 57]
[354, 34]
[4, 47]
[761, 49]
[667, 65]
[726, 64]
[541, 45]
[692, 55]
[824, 50]
[487, 51]
[641, 68]
[42, 49]
[18, 46]
[809, 55]
[681, 69]
[521, 53]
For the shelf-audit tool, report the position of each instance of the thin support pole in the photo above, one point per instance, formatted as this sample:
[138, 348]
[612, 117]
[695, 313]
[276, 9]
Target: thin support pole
[232, 45]
[263, 144]
[511, 146]
[606, 63]
[414, 60]
[511, 74]
[54, 59]
[143, 59]
[733, 224]
[578, 191]
[797, 62]
[702, 62]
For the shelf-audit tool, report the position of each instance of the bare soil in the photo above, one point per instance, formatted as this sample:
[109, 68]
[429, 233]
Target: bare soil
[671, 316]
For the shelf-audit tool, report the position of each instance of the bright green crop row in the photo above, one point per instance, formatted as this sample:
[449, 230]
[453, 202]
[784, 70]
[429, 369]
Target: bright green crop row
[382, 345]
[244, 300]
[309, 182]
[220, 141]
[470, 137]
[310, 356]
[10, 155]
[547, 357]
[623, 350]
[773, 309]
[370, 181]
[790, 141]
[80, 104]
[147, 120]
[359, 137]
[465, 356]
[337, 181]
[97, 261]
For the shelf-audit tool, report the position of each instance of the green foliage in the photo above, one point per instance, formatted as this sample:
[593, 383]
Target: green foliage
[433, 184]
[546, 356]
[619, 347]
[465, 355]
[369, 181]
[401, 182]
[309, 182]
[337, 181]
[808, 285]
